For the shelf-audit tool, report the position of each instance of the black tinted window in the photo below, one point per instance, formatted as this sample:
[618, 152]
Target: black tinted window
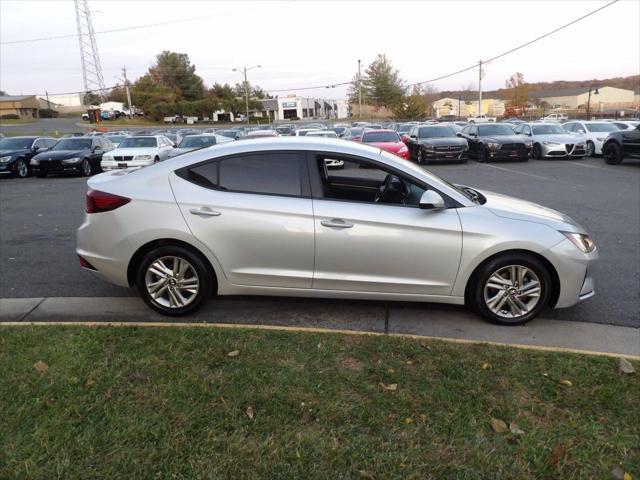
[276, 173]
[205, 175]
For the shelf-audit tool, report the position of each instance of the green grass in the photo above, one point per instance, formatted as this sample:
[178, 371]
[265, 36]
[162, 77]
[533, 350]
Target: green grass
[170, 403]
[14, 121]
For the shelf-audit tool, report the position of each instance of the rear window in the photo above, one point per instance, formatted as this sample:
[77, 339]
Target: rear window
[601, 127]
[275, 174]
[139, 142]
[380, 137]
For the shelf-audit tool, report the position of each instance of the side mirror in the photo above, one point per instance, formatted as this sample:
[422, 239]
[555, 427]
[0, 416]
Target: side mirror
[458, 134]
[96, 148]
[431, 200]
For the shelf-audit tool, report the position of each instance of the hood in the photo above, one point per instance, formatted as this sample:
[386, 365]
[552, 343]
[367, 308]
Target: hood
[502, 139]
[556, 137]
[180, 150]
[443, 141]
[392, 147]
[133, 151]
[517, 209]
[13, 153]
[60, 154]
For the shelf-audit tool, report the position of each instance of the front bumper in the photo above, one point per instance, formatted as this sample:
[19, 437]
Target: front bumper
[510, 154]
[445, 154]
[563, 151]
[575, 272]
[55, 166]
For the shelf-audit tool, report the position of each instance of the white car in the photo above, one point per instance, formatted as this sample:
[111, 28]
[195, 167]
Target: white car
[625, 124]
[555, 117]
[301, 132]
[137, 151]
[594, 133]
[195, 142]
[481, 119]
[322, 133]
[265, 217]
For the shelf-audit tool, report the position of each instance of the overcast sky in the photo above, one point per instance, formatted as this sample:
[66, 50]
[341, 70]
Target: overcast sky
[310, 43]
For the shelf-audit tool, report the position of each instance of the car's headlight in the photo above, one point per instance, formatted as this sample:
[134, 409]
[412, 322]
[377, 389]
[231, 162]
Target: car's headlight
[142, 157]
[34, 161]
[581, 240]
[403, 149]
[551, 144]
[107, 158]
[5, 159]
[493, 145]
[73, 160]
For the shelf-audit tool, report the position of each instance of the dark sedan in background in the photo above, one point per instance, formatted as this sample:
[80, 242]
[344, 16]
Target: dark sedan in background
[16, 153]
[79, 155]
[621, 144]
[496, 142]
[436, 142]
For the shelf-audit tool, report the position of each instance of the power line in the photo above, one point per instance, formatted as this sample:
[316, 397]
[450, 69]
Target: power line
[331, 85]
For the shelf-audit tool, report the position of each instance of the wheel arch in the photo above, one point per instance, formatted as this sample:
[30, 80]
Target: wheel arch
[139, 254]
[555, 278]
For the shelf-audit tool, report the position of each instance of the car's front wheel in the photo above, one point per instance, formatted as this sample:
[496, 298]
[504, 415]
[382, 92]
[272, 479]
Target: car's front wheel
[85, 168]
[174, 281]
[21, 170]
[481, 156]
[510, 289]
[537, 151]
[612, 153]
[591, 149]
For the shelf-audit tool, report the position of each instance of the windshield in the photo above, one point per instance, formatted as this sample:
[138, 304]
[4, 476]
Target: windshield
[197, 141]
[547, 129]
[228, 133]
[497, 130]
[380, 137]
[354, 132]
[323, 134]
[601, 127]
[404, 128]
[16, 143]
[73, 144]
[435, 132]
[138, 142]
[338, 130]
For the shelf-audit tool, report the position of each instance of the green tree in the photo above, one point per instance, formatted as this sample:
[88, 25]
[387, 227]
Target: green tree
[383, 84]
[92, 98]
[175, 71]
[117, 94]
[411, 107]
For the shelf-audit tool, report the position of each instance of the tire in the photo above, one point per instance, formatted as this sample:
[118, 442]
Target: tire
[612, 153]
[197, 269]
[156, 160]
[537, 151]
[421, 160]
[591, 149]
[85, 168]
[481, 156]
[481, 292]
[21, 169]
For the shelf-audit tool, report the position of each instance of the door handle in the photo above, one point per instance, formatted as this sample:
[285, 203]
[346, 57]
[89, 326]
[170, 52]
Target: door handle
[204, 212]
[336, 223]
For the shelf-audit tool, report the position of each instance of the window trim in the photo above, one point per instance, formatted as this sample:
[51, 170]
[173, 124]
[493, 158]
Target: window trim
[305, 189]
[317, 192]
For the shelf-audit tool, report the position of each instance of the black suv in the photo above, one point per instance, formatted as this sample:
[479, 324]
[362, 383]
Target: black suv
[16, 153]
[624, 143]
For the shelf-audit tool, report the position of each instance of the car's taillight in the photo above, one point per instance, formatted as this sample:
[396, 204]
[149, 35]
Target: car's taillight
[98, 201]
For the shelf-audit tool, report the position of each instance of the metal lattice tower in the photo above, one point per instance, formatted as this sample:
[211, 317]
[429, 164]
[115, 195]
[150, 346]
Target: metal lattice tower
[91, 68]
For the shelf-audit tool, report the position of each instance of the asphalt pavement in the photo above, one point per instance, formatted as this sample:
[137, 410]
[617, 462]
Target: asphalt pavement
[39, 217]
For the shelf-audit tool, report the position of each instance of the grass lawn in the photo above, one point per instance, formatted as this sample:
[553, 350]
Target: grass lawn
[172, 403]
[14, 121]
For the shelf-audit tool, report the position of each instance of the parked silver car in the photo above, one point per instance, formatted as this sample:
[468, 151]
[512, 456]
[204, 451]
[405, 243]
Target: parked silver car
[550, 140]
[267, 217]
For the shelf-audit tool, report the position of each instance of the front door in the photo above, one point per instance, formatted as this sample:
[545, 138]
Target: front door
[251, 212]
[387, 246]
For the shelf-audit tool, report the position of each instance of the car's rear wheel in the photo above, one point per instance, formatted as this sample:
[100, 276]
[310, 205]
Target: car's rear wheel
[21, 170]
[612, 153]
[156, 160]
[174, 281]
[537, 151]
[511, 289]
[591, 149]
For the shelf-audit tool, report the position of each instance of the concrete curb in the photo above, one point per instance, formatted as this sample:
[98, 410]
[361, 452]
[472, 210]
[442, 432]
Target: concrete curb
[451, 324]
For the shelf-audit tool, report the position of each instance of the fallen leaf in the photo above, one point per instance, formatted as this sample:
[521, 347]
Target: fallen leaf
[557, 453]
[390, 370]
[365, 474]
[627, 476]
[40, 366]
[625, 366]
[307, 417]
[90, 381]
[423, 417]
[408, 420]
[486, 366]
[566, 383]
[235, 353]
[498, 425]
[250, 412]
[409, 362]
[391, 386]
[513, 428]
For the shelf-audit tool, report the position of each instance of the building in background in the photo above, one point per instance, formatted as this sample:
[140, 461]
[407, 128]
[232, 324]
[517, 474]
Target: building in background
[73, 102]
[293, 107]
[493, 107]
[607, 97]
[24, 107]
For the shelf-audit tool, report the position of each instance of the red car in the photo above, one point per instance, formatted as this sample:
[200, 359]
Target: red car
[387, 140]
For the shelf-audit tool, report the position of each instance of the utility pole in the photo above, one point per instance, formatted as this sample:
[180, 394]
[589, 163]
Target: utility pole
[480, 75]
[359, 92]
[48, 103]
[126, 88]
[244, 70]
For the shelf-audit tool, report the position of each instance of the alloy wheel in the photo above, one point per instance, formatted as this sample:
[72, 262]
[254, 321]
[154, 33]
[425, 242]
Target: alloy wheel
[590, 149]
[21, 169]
[86, 168]
[512, 291]
[172, 282]
[420, 157]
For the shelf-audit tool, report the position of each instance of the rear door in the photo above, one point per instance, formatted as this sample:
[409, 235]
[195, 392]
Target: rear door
[254, 213]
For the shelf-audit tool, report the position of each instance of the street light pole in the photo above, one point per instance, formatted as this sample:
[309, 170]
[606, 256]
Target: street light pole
[589, 100]
[359, 93]
[244, 70]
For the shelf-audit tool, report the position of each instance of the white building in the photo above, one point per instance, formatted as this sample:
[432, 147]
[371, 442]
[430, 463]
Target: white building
[68, 100]
[112, 107]
[296, 107]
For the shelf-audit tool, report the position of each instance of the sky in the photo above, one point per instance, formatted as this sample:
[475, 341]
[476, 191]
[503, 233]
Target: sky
[310, 43]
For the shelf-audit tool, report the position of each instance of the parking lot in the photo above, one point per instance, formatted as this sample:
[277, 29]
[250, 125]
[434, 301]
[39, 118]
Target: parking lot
[39, 218]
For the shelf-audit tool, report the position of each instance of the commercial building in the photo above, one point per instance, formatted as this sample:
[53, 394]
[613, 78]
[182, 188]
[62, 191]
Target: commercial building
[24, 107]
[468, 108]
[606, 97]
[293, 107]
[72, 102]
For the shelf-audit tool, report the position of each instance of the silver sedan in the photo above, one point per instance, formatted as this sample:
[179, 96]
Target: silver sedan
[550, 140]
[267, 217]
